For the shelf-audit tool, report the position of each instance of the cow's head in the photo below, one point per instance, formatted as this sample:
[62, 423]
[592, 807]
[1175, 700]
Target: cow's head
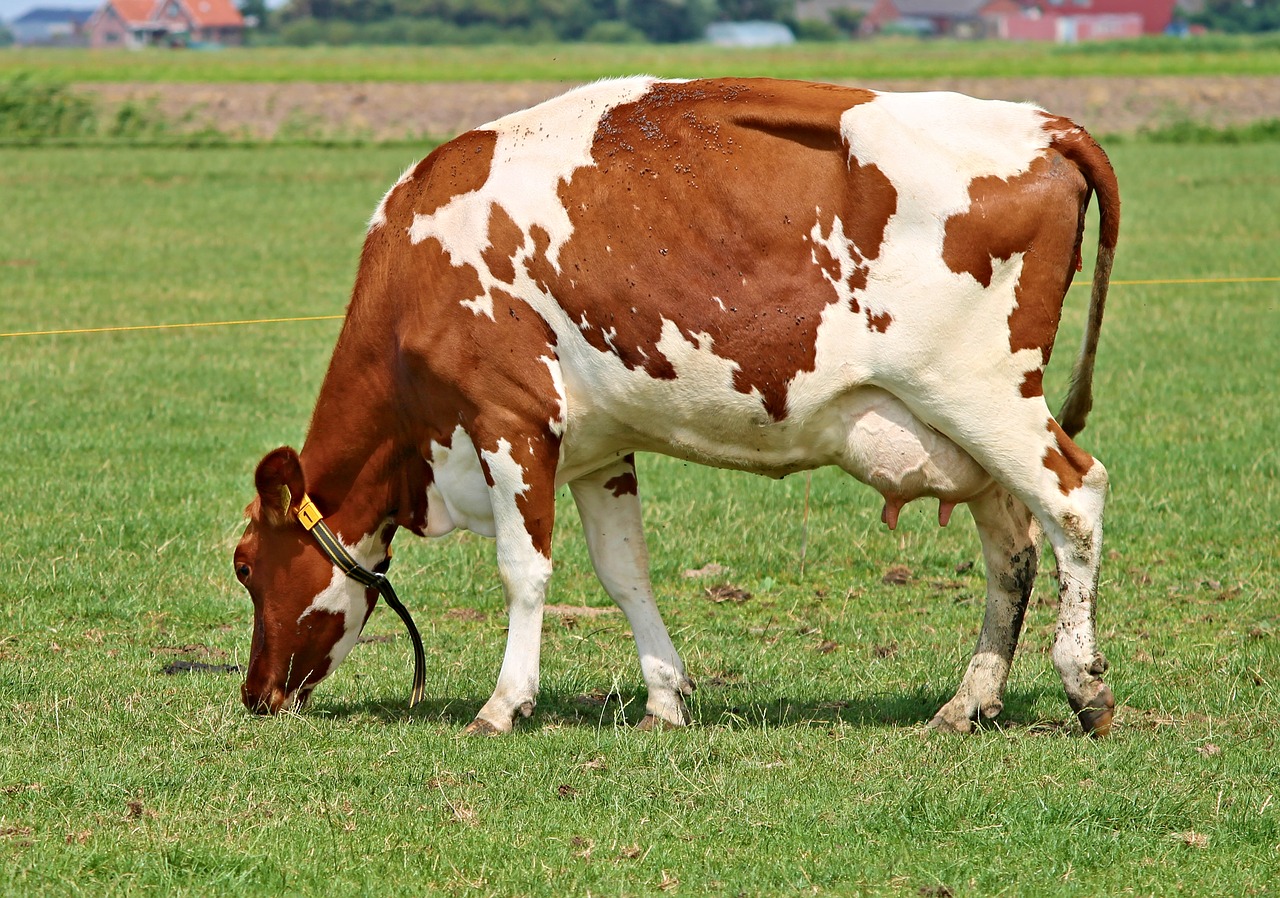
[306, 613]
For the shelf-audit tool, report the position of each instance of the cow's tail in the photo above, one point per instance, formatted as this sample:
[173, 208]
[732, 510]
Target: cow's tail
[1075, 143]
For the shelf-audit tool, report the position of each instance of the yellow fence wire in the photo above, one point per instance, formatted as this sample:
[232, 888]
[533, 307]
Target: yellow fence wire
[162, 327]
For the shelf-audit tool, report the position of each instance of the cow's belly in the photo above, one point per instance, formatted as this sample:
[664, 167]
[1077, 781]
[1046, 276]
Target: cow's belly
[866, 431]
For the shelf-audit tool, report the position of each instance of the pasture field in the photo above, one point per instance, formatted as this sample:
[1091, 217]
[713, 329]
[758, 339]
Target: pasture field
[126, 458]
[858, 60]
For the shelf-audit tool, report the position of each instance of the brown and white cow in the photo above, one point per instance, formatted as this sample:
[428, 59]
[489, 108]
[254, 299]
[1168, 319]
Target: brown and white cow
[752, 274]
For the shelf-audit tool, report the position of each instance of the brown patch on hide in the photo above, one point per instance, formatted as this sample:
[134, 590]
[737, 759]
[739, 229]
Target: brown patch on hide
[459, 166]
[505, 240]
[1032, 384]
[879, 322]
[1039, 214]
[1068, 461]
[537, 503]
[672, 215]
[829, 264]
[857, 280]
[624, 484]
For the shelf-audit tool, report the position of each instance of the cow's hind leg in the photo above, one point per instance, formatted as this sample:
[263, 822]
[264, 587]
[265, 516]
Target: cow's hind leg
[609, 505]
[1010, 546]
[521, 474]
[1065, 488]
[1076, 536]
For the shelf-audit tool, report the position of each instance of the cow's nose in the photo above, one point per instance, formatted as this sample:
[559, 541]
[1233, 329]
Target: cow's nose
[267, 701]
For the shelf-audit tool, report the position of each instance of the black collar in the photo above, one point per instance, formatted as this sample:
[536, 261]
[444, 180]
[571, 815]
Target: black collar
[310, 518]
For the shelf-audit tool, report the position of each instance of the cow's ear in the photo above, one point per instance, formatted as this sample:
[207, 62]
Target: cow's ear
[281, 484]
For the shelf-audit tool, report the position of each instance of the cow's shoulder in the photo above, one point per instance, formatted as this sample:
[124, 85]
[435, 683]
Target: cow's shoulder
[453, 169]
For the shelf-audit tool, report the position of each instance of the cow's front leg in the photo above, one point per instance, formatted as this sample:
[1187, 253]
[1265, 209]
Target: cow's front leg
[609, 504]
[1010, 547]
[521, 474]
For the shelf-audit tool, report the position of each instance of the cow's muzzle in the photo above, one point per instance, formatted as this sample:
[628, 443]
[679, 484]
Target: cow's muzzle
[274, 699]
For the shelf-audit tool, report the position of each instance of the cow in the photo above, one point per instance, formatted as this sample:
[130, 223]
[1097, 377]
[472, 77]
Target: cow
[754, 274]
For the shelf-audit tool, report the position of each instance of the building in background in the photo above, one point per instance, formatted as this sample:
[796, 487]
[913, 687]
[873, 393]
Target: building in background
[949, 18]
[51, 27]
[166, 23]
[1069, 21]
[749, 34]
[1064, 21]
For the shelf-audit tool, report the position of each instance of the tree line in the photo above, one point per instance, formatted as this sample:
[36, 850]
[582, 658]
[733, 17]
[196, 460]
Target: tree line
[518, 21]
[1240, 16]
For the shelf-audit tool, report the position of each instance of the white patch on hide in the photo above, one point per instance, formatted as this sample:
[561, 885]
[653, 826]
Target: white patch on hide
[556, 424]
[346, 597]
[439, 521]
[459, 484]
[536, 150]
[481, 305]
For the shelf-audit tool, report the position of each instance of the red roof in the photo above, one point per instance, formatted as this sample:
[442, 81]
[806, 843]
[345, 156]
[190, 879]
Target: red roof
[135, 12]
[201, 13]
[212, 13]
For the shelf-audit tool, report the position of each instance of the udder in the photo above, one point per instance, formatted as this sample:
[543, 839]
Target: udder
[901, 457]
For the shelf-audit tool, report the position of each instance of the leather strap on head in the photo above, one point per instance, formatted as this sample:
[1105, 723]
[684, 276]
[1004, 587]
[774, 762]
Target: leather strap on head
[311, 519]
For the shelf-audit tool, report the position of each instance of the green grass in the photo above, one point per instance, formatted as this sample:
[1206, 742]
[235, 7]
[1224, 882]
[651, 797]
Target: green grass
[125, 460]
[858, 60]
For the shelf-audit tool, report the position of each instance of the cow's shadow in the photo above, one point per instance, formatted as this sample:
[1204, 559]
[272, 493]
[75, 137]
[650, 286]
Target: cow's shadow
[708, 709]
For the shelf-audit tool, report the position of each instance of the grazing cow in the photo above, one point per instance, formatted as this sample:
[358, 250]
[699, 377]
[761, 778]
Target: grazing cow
[752, 274]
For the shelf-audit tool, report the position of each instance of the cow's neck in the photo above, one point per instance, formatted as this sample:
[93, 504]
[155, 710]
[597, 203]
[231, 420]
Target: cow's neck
[361, 462]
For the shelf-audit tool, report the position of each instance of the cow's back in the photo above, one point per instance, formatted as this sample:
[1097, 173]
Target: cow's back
[721, 265]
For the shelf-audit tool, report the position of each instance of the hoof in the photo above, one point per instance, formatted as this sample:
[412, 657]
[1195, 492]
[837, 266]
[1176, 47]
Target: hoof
[1096, 717]
[941, 724]
[482, 727]
[651, 722]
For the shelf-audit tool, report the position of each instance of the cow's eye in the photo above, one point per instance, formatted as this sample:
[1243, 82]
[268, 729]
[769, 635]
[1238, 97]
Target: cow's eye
[242, 572]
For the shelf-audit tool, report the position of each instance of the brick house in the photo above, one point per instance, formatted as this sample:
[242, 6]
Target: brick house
[1064, 21]
[171, 23]
[1081, 20]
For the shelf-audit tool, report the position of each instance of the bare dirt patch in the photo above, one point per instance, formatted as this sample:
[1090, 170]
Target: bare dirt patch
[391, 111]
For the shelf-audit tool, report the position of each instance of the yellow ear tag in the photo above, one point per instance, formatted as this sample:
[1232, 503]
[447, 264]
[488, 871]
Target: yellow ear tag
[308, 514]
